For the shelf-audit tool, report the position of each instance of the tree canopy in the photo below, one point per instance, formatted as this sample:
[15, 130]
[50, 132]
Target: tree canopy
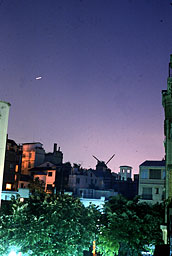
[48, 225]
[128, 226]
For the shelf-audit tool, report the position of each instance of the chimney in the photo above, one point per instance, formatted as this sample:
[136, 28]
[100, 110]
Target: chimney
[55, 147]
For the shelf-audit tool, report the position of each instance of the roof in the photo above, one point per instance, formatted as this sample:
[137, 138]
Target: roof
[34, 169]
[31, 143]
[153, 163]
[125, 166]
[12, 142]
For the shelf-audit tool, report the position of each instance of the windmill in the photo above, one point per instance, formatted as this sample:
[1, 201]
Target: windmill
[101, 164]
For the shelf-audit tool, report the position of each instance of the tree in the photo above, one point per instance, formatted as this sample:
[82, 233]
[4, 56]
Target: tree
[48, 225]
[37, 185]
[128, 226]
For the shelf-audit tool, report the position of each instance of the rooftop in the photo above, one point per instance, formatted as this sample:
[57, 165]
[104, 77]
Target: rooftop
[153, 163]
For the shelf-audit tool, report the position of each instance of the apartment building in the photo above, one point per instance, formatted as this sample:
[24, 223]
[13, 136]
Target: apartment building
[152, 181]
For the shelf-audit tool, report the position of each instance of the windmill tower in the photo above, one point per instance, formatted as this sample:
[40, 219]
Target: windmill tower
[101, 165]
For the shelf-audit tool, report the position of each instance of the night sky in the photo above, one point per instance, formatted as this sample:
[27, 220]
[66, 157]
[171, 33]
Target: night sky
[103, 65]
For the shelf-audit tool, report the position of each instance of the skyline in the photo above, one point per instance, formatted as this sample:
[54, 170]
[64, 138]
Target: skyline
[101, 66]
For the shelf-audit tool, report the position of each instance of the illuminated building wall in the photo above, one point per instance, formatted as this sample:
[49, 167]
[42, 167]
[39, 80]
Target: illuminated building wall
[33, 155]
[4, 113]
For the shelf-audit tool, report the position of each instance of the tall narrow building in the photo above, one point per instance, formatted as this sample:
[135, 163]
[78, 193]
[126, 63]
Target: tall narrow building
[167, 105]
[4, 113]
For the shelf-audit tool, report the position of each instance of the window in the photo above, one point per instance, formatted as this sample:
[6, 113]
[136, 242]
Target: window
[50, 174]
[11, 166]
[8, 186]
[29, 165]
[17, 168]
[144, 174]
[157, 191]
[147, 193]
[49, 187]
[163, 174]
[155, 174]
[77, 180]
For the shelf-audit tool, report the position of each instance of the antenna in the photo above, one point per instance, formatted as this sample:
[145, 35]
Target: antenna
[110, 159]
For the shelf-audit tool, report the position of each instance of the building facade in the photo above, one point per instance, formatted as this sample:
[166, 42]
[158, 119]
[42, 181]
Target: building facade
[152, 181]
[12, 166]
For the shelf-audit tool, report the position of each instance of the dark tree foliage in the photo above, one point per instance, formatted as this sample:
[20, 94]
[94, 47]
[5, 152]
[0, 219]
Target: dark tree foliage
[128, 226]
[48, 226]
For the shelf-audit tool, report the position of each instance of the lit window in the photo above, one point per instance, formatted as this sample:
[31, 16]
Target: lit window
[17, 167]
[8, 186]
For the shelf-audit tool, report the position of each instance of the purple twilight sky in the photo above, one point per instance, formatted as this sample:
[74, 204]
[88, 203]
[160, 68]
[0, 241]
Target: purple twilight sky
[103, 65]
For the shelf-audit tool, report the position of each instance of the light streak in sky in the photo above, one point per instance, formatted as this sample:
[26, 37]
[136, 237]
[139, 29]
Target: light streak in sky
[38, 78]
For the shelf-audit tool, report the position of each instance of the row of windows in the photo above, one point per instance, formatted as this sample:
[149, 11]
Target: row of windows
[152, 174]
[78, 181]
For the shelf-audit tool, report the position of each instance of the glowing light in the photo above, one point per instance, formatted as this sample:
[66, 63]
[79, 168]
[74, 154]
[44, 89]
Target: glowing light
[12, 253]
[8, 186]
[38, 77]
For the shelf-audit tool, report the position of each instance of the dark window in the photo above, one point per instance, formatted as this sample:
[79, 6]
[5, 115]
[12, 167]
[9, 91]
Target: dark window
[144, 174]
[156, 190]
[147, 193]
[50, 173]
[11, 166]
[29, 165]
[155, 174]
[77, 180]
[49, 187]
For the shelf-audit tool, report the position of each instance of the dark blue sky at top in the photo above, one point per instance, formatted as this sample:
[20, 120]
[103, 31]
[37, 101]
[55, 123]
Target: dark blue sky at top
[103, 65]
